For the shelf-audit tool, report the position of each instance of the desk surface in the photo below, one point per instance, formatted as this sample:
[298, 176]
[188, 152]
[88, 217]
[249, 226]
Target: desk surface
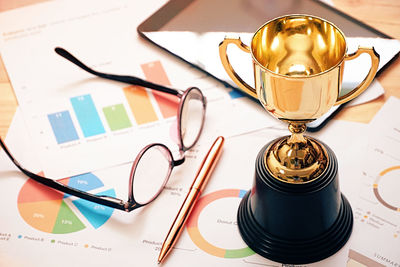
[381, 14]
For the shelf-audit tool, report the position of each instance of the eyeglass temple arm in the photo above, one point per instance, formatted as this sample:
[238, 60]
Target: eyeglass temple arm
[120, 78]
[103, 200]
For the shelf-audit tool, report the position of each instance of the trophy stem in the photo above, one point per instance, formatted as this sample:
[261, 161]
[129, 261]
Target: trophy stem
[297, 129]
[296, 158]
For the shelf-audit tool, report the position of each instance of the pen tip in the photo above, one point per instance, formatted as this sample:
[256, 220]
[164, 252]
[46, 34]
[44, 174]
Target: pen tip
[158, 262]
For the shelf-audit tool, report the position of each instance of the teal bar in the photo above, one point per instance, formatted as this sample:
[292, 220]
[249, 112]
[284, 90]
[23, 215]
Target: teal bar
[87, 115]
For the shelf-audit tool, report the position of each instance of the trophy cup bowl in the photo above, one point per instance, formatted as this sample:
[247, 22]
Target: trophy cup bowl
[295, 212]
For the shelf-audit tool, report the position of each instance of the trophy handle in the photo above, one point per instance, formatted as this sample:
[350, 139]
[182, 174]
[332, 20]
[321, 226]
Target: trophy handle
[367, 81]
[228, 67]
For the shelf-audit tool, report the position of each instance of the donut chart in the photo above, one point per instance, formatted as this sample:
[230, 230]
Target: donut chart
[376, 188]
[197, 237]
[51, 211]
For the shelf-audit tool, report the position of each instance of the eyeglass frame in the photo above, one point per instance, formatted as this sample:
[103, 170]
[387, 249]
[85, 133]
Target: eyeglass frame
[113, 202]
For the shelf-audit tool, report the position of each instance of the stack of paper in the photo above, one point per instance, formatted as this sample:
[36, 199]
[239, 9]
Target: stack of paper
[51, 134]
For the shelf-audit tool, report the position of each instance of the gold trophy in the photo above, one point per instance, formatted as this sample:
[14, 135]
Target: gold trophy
[295, 212]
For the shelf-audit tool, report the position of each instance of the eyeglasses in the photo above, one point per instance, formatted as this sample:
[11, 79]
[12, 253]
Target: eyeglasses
[154, 163]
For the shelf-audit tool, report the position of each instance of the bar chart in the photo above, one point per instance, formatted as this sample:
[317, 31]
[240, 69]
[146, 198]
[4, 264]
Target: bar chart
[85, 123]
[145, 106]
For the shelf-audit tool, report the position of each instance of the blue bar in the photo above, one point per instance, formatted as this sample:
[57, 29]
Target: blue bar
[63, 127]
[87, 115]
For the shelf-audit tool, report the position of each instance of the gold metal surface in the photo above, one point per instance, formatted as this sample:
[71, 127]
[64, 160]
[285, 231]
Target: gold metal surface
[296, 161]
[368, 79]
[228, 67]
[298, 65]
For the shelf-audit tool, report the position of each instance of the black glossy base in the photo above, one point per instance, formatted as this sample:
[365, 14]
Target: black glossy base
[295, 251]
[292, 223]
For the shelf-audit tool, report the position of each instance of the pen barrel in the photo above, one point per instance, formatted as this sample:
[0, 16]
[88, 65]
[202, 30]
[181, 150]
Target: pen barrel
[199, 183]
[181, 218]
[208, 164]
[202, 177]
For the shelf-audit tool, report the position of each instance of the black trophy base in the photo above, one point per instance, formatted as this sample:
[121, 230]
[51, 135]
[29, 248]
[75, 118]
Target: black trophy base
[295, 223]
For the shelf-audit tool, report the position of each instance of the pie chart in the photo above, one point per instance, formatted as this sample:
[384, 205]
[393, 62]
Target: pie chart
[391, 173]
[51, 211]
[196, 235]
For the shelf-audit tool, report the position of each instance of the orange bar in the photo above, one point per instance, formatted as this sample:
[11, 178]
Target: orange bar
[140, 104]
[154, 72]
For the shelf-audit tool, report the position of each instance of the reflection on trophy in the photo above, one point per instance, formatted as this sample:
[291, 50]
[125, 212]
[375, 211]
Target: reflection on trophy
[295, 212]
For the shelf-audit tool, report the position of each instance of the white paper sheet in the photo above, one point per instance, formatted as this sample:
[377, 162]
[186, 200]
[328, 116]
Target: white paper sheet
[120, 239]
[54, 94]
[130, 239]
[377, 209]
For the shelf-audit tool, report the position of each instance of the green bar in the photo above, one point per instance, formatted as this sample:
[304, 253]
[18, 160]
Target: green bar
[117, 118]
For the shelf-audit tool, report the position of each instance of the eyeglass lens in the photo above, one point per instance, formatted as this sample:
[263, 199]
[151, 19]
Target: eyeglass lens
[153, 167]
[151, 173]
[192, 117]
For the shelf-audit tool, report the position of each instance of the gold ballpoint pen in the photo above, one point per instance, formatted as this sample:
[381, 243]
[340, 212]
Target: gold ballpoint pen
[194, 193]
